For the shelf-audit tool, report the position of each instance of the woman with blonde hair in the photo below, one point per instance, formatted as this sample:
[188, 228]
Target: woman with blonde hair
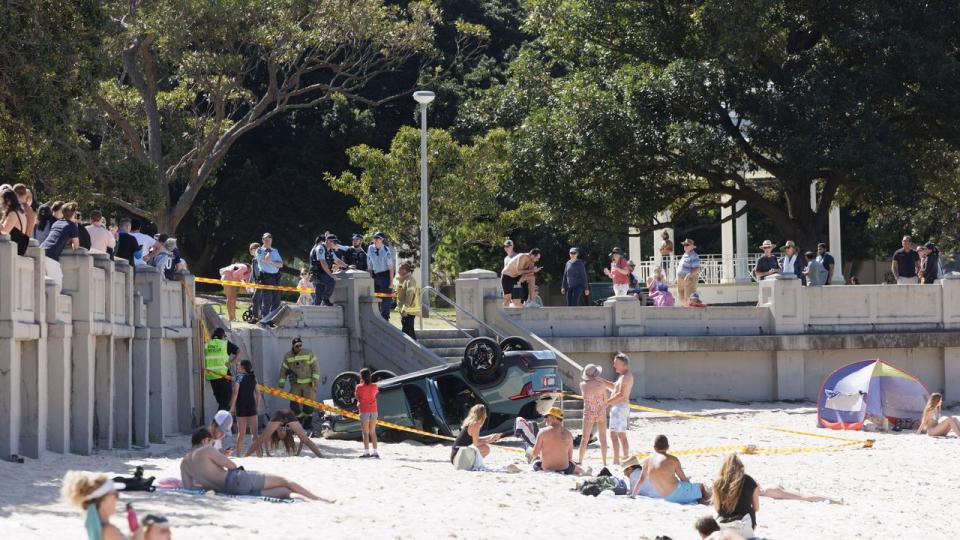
[97, 494]
[736, 498]
[470, 433]
[932, 424]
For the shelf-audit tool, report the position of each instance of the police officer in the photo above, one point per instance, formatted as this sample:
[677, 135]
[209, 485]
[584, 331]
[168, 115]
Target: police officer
[356, 256]
[300, 366]
[219, 355]
[323, 263]
[380, 259]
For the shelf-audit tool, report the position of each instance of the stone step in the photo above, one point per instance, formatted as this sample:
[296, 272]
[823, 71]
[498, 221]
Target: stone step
[448, 352]
[432, 343]
[445, 333]
[572, 405]
[573, 424]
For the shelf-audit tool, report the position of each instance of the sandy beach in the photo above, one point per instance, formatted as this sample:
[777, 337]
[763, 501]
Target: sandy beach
[902, 488]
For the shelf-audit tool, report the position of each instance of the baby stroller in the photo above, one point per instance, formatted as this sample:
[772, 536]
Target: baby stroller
[252, 314]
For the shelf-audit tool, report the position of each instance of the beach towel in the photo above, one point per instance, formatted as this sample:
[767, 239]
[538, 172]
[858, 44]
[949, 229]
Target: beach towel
[201, 492]
[525, 431]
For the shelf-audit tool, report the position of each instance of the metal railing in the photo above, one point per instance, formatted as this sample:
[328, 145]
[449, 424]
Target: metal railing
[425, 299]
[714, 268]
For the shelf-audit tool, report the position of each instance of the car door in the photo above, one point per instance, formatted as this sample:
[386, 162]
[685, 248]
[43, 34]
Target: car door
[435, 401]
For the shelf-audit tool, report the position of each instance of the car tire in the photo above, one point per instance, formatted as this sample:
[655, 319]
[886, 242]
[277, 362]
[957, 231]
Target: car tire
[382, 375]
[343, 390]
[482, 360]
[515, 343]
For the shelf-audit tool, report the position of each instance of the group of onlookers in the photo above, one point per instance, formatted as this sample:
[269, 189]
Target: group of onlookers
[914, 264]
[60, 225]
[394, 286]
[815, 269]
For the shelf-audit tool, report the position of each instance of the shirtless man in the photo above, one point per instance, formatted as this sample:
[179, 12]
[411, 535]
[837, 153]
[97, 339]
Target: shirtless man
[663, 478]
[619, 406]
[594, 391]
[521, 267]
[554, 447]
[205, 467]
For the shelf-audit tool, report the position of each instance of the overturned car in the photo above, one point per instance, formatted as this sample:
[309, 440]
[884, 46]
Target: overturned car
[509, 378]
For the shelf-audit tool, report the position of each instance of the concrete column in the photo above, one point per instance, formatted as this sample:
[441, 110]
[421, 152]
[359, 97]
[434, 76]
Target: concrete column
[743, 249]
[790, 369]
[951, 374]
[140, 375]
[951, 301]
[9, 352]
[638, 366]
[634, 242]
[813, 195]
[59, 369]
[104, 392]
[627, 316]
[351, 286]
[470, 290]
[727, 274]
[784, 297]
[835, 245]
[33, 358]
[77, 283]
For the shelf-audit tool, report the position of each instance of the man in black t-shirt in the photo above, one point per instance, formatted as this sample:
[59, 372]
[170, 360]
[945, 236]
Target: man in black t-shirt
[127, 245]
[356, 255]
[826, 260]
[767, 264]
[906, 263]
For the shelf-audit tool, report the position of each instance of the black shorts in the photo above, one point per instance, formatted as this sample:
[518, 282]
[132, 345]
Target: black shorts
[508, 283]
[571, 468]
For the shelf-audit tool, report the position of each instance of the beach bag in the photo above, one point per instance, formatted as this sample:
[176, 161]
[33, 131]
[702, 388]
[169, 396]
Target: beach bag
[742, 526]
[595, 486]
[137, 482]
[468, 458]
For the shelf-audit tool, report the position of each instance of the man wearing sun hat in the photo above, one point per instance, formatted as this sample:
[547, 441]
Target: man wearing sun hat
[767, 264]
[688, 272]
[553, 451]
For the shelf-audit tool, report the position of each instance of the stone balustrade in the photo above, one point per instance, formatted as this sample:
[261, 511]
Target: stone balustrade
[103, 361]
[782, 348]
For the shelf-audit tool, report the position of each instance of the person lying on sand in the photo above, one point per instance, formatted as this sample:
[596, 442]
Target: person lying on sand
[663, 478]
[553, 451]
[283, 425]
[205, 468]
[736, 497]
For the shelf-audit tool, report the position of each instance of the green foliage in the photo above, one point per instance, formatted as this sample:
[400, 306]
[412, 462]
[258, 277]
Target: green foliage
[646, 105]
[464, 191]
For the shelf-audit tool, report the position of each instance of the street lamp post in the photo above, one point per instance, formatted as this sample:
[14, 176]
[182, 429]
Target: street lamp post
[424, 98]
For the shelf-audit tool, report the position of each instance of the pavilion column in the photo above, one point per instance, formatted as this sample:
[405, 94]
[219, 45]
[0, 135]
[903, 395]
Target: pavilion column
[633, 245]
[727, 274]
[835, 245]
[743, 250]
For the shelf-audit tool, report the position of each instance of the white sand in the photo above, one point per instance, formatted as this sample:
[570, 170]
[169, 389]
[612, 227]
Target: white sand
[905, 487]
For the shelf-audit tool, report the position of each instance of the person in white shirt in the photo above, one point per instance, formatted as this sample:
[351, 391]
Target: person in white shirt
[146, 241]
[101, 239]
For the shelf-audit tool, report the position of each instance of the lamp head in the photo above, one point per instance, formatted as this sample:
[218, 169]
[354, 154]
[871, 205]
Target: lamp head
[424, 97]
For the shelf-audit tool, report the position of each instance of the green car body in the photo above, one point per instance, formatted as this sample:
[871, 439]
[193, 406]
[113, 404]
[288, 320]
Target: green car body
[436, 400]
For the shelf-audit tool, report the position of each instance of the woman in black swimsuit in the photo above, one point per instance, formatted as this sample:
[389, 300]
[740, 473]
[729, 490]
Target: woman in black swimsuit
[244, 403]
[282, 424]
[470, 433]
[13, 221]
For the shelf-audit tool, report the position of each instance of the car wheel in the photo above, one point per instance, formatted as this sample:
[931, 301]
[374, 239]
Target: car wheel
[343, 389]
[382, 375]
[482, 359]
[515, 343]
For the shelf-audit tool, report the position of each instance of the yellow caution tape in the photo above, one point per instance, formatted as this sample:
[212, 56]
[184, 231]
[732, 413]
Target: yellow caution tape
[356, 416]
[867, 442]
[251, 285]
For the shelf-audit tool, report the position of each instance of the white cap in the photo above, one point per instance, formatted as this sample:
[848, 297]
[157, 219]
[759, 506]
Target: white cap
[223, 420]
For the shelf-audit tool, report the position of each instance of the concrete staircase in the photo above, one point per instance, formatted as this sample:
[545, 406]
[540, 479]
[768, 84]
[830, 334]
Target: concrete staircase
[446, 343]
[572, 414]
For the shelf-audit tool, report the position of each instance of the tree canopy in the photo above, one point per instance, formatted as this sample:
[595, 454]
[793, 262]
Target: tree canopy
[648, 105]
